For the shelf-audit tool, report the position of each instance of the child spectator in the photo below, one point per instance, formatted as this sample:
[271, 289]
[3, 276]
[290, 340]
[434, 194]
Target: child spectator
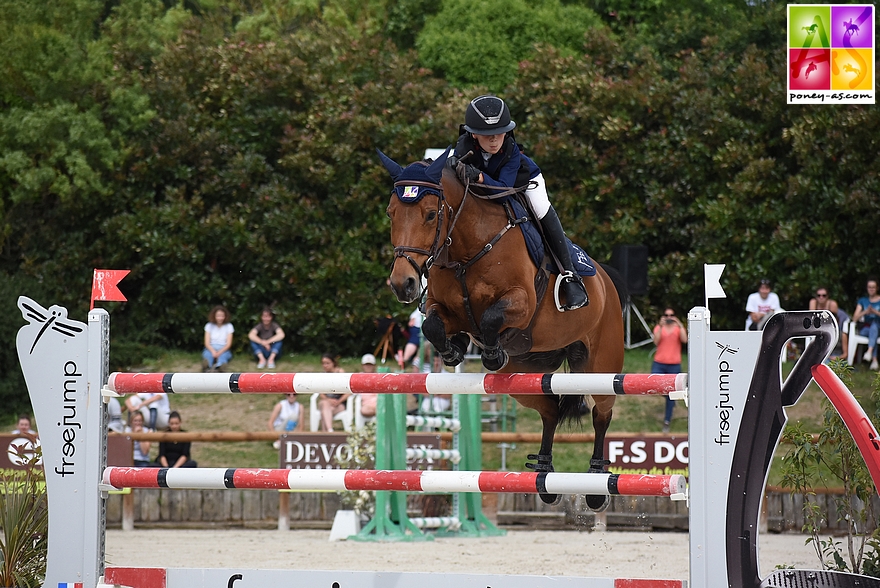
[24, 426]
[175, 454]
[141, 452]
[330, 404]
[218, 340]
[266, 340]
[368, 401]
[286, 416]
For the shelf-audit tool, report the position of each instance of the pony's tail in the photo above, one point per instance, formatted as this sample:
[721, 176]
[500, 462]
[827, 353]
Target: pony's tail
[572, 409]
[619, 284]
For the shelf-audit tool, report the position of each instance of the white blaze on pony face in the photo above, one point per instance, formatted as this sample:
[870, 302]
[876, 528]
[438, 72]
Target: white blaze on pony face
[413, 226]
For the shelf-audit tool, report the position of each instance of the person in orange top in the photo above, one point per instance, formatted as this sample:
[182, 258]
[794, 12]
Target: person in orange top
[669, 335]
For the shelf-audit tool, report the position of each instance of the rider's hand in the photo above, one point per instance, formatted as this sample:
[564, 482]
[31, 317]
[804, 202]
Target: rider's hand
[467, 173]
[451, 161]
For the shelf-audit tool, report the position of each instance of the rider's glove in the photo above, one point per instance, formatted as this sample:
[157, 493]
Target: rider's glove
[467, 173]
[451, 161]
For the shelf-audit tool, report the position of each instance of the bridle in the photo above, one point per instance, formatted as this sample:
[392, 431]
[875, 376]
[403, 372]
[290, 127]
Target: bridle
[439, 243]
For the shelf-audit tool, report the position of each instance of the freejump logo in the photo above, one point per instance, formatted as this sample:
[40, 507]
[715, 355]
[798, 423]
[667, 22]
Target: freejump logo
[831, 54]
[724, 406]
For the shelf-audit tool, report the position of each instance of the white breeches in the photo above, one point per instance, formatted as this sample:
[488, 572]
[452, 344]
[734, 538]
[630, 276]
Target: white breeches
[537, 196]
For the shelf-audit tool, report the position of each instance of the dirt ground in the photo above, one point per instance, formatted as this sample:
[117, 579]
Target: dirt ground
[553, 553]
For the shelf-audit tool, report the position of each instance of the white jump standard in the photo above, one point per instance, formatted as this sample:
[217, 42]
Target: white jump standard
[736, 415]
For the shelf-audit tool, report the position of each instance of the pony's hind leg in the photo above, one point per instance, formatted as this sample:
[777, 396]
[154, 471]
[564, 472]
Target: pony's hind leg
[548, 409]
[602, 410]
[452, 349]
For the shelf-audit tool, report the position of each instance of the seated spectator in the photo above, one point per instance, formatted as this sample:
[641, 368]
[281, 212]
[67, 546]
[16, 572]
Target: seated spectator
[266, 340]
[286, 416]
[175, 454]
[24, 426]
[821, 301]
[330, 404]
[218, 340]
[867, 316]
[141, 448]
[156, 408]
[760, 306]
[368, 401]
[413, 342]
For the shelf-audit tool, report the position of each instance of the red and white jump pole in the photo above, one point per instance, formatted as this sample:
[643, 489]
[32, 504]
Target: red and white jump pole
[357, 383]
[672, 486]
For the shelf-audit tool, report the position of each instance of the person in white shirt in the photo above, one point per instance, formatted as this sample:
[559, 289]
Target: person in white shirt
[155, 408]
[218, 340]
[761, 305]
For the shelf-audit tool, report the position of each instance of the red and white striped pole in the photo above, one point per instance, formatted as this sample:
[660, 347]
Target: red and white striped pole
[406, 481]
[310, 383]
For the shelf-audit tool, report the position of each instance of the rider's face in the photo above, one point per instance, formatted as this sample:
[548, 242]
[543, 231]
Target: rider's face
[490, 143]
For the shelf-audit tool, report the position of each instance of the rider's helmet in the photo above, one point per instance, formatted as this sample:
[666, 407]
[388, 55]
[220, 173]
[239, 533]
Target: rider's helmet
[488, 115]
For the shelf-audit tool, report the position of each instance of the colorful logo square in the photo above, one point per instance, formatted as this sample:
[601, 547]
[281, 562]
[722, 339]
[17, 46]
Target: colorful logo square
[831, 53]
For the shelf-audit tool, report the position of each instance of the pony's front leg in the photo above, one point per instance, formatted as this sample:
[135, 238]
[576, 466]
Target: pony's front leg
[452, 349]
[494, 357]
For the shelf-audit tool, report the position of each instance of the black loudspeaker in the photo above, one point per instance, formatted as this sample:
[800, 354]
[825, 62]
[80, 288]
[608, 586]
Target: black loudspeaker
[632, 263]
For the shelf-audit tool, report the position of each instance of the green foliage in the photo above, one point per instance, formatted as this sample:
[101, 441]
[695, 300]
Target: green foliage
[24, 523]
[481, 43]
[363, 457]
[835, 461]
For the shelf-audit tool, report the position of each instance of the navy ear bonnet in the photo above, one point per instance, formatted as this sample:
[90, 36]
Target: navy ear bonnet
[413, 182]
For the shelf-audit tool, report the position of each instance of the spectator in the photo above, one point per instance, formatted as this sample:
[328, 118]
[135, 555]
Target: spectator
[266, 340]
[114, 416]
[867, 315]
[368, 401]
[24, 426]
[413, 342]
[286, 416]
[821, 301]
[218, 340]
[175, 454]
[761, 305]
[669, 335]
[141, 448]
[330, 404]
[156, 408]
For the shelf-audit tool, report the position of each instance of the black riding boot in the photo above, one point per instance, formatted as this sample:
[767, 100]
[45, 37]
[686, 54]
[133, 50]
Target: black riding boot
[572, 286]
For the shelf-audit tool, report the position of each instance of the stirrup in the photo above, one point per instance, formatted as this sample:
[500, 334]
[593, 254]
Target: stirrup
[561, 279]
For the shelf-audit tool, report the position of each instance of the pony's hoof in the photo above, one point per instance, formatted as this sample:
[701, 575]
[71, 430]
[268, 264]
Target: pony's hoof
[452, 358]
[597, 503]
[495, 362]
[551, 499]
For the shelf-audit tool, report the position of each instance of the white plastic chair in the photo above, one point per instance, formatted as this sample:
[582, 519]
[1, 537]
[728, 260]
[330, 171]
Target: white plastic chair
[346, 416]
[854, 341]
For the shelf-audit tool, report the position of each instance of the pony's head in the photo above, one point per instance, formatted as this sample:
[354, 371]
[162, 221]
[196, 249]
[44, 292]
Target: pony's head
[417, 212]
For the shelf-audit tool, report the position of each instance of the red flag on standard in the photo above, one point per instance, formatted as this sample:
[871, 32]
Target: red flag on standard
[104, 286]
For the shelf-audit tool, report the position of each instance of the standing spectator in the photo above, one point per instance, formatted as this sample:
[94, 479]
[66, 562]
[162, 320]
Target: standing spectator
[156, 408]
[669, 335]
[175, 454]
[368, 401]
[867, 314]
[24, 426]
[286, 416]
[761, 305]
[821, 301]
[266, 339]
[413, 342]
[330, 404]
[141, 448]
[218, 340]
